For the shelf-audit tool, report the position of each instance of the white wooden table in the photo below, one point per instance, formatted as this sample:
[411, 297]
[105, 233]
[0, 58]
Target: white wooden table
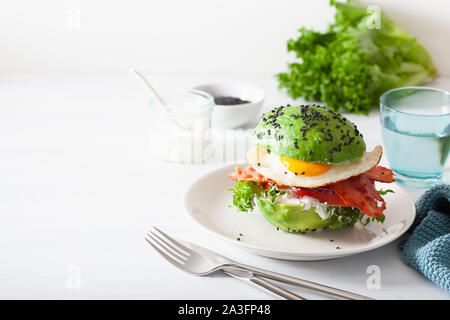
[79, 186]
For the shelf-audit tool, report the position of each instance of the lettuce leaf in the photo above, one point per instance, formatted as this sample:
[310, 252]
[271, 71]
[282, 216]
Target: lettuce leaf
[350, 65]
[245, 194]
[345, 216]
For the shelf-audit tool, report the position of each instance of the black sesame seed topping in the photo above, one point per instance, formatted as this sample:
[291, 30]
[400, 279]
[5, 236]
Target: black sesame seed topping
[277, 136]
[310, 116]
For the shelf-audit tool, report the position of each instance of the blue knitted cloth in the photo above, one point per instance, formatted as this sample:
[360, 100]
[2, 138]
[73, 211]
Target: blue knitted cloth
[428, 248]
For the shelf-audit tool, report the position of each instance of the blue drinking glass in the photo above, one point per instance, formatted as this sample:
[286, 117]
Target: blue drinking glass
[415, 124]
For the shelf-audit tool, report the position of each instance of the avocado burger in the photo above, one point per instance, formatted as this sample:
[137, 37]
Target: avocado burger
[310, 169]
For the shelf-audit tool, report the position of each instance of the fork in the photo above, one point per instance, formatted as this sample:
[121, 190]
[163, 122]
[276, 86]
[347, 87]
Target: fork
[193, 262]
[204, 261]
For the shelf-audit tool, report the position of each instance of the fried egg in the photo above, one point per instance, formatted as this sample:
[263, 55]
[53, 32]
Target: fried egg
[298, 173]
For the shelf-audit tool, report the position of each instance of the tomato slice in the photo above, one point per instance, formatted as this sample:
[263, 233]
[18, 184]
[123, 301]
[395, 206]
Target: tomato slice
[321, 194]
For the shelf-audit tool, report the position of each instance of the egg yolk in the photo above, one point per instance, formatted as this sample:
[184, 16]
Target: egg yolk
[303, 168]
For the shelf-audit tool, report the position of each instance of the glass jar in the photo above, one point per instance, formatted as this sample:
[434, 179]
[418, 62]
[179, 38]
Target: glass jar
[181, 129]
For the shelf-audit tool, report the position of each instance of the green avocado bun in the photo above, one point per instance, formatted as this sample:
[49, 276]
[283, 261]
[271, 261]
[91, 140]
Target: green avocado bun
[310, 133]
[303, 219]
[291, 218]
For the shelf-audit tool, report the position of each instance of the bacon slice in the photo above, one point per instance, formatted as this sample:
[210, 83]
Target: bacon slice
[247, 174]
[380, 174]
[360, 192]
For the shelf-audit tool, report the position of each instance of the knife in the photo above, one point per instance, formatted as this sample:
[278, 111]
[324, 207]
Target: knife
[249, 277]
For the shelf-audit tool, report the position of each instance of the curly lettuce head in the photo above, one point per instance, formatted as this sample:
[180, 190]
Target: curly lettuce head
[355, 61]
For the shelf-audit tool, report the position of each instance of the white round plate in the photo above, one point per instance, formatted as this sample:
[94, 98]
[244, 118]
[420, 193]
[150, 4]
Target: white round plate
[207, 204]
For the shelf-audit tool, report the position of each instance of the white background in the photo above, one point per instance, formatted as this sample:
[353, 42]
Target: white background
[183, 36]
[80, 184]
